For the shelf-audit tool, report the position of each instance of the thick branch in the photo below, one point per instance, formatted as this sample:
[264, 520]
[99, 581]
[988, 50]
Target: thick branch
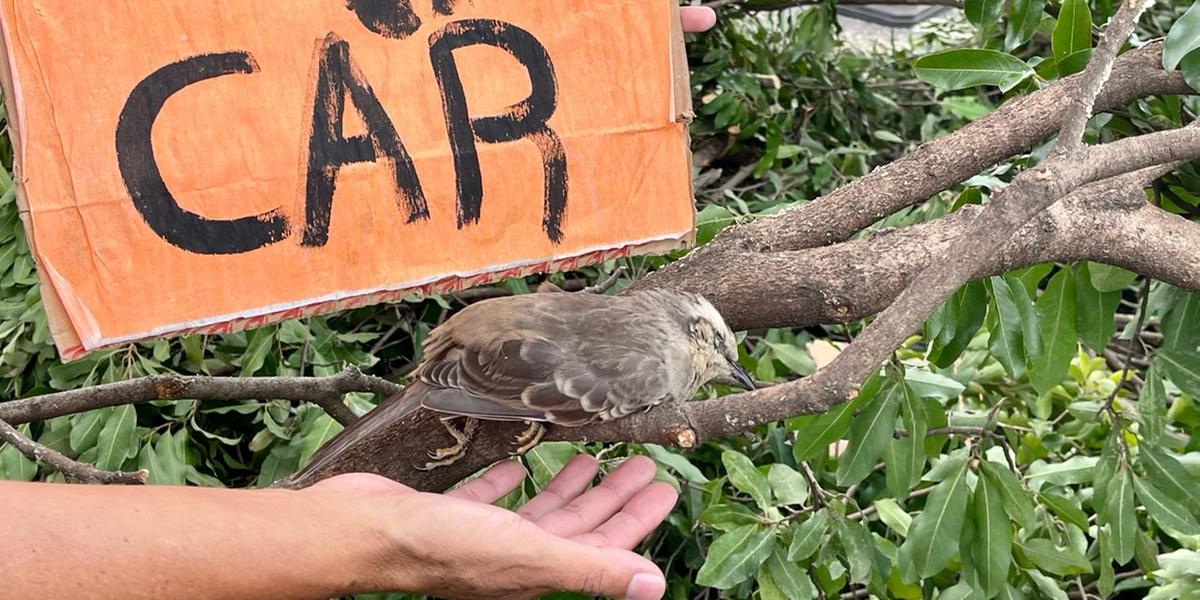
[751, 6]
[71, 468]
[937, 165]
[326, 392]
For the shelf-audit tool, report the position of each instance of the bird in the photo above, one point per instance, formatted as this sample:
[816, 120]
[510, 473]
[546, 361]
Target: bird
[567, 359]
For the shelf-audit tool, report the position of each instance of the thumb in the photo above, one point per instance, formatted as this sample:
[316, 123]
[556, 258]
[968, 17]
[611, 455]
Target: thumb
[606, 572]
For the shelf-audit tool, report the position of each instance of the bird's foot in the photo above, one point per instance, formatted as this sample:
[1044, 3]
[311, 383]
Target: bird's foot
[443, 457]
[529, 438]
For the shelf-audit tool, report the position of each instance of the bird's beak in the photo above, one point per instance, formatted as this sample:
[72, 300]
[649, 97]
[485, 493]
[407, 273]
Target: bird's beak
[740, 376]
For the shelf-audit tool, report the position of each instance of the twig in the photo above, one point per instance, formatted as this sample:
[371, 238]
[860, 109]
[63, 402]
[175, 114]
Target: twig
[325, 392]
[74, 469]
[1070, 137]
[870, 510]
[971, 431]
[607, 283]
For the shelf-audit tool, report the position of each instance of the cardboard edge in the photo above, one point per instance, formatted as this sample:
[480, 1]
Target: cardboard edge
[61, 329]
[442, 286]
[681, 104]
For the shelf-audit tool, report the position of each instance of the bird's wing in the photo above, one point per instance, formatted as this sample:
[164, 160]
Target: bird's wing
[553, 370]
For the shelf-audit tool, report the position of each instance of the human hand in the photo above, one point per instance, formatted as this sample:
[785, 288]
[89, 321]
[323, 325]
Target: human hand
[697, 19]
[457, 545]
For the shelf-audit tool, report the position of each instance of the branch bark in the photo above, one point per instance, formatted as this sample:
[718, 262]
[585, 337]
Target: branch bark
[1014, 127]
[74, 469]
[325, 392]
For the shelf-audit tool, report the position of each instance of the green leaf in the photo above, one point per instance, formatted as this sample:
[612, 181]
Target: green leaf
[1065, 509]
[1152, 406]
[893, 515]
[548, 458]
[993, 536]
[788, 486]
[734, 556]
[1165, 472]
[767, 588]
[118, 439]
[13, 465]
[813, 440]
[1006, 340]
[1023, 19]
[983, 13]
[727, 516]
[795, 359]
[1169, 514]
[677, 462]
[281, 462]
[870, 433]
[1182, 368]
[1183, 38]
[322, 429]
[745, 477]
[1072, 38]
[1181, 324]
[970, 67]
[1095, 310]
[857, 542]
[85, 428]
[1054, 559]
[931, 385]
[262, 341]
[1056, 318]
[1077, 469]
[961, 317]
[933, 537]
[1047, 586]
[808, 536]
[1190, 66]
[791, 579]
[1107, 278]
[1016, 500]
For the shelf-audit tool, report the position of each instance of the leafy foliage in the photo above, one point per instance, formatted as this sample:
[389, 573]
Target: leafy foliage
[1000, 454]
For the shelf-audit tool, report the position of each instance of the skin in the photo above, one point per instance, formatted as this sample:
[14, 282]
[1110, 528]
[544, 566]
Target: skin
[355, 533]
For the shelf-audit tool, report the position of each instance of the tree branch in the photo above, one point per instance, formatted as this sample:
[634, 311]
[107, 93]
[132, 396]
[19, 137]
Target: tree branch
[45, 455]
[325, 392]
[939, 164]
[751, 6]
[1099, 68]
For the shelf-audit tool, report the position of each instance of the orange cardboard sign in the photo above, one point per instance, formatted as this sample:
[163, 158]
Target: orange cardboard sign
[209, 166]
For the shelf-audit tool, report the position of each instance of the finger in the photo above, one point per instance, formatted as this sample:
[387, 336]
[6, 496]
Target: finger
[595, 506]
[640, 516]
[493, 485]
[607, 573]
[697, 18]
[565, 487]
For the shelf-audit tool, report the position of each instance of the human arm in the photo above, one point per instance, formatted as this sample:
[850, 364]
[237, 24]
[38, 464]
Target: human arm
[348, 534]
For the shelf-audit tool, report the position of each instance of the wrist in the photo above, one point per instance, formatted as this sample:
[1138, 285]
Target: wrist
[366, 551]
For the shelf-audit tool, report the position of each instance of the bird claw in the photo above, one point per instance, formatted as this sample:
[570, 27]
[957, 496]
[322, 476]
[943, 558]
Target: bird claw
[527, 439]
[443, 457]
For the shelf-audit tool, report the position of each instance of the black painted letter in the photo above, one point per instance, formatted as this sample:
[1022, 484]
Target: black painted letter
[393, 19]
[329, 150]
[525, 119]
[143, 180]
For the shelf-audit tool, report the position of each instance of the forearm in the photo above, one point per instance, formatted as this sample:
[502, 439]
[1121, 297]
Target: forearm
[72, 541]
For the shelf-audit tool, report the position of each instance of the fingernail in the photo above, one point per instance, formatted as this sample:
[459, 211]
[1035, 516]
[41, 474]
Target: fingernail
[646, 586]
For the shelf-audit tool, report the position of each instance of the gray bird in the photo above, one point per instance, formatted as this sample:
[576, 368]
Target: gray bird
[564, 358]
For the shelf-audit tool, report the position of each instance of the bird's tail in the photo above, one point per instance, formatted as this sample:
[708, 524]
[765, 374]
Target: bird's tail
[362, 431]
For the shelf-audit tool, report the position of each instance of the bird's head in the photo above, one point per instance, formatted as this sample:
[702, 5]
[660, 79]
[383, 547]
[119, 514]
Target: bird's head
[714, 347]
